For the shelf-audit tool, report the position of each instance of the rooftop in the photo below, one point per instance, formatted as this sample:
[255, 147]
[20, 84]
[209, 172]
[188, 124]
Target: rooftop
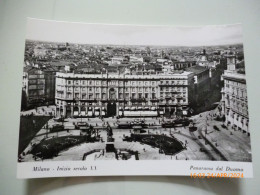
[196, 69]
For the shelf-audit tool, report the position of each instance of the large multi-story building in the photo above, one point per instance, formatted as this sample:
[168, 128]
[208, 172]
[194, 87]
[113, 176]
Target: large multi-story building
[39, 85]
[34, 85]
[83, 94]
[234, 97]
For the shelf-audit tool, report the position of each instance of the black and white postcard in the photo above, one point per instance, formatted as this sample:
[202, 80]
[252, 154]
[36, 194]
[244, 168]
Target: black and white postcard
[102, 99]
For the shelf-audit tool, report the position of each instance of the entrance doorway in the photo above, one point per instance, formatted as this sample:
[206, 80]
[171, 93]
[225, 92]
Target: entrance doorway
[111, 109]
[68, 111]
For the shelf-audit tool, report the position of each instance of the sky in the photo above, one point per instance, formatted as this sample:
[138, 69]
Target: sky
[56, 31]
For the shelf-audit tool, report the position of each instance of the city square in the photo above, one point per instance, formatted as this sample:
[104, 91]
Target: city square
[85, 102]
[221, 145]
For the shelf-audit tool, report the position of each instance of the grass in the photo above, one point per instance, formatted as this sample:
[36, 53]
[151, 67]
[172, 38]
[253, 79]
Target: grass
[167, 144]
[28, 129]
[51, 147]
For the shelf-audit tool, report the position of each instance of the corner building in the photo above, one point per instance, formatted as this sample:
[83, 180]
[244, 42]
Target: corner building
[80, 94]
[234, 97]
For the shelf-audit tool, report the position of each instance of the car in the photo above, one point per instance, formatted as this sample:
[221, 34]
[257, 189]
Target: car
[182, 122]
[168, 124]
[81, 125]
[59, 119]
[124, 125]
[139, 122]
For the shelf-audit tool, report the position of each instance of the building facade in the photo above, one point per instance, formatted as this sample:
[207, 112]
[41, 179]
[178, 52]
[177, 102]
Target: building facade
[79, 94]
[34, 85]
[234, 98]
[39, 85]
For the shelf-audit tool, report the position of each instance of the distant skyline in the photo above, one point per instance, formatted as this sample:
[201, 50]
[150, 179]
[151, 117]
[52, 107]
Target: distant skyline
[104, 34]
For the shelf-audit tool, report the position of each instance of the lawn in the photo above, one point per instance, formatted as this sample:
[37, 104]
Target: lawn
[29, 127]
[167, 144]
[50, 148]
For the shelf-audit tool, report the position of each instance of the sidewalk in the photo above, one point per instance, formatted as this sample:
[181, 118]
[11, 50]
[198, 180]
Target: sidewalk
[233, 145]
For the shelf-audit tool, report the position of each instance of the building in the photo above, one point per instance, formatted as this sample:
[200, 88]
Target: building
[39, 85]
[34, 85]
[234, 97]
[183, 65]
[49, 90]
[112, 94]
[203, 59]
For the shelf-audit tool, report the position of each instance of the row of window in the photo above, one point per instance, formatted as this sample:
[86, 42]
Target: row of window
[116, 82]
[59, 102]
[104, 96]
[97, 89]
[173, 82]
[173, 88]
[83, 82]
[133, 89]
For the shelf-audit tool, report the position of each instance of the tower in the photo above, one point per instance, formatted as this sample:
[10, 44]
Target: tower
[231, 62]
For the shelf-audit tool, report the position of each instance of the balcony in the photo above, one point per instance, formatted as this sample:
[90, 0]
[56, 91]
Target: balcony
[138, 100]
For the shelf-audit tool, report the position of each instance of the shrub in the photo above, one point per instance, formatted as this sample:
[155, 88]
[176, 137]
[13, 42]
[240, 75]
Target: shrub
[216, 128]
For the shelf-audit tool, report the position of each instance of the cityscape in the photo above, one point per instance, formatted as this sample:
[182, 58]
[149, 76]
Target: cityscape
[133, 102]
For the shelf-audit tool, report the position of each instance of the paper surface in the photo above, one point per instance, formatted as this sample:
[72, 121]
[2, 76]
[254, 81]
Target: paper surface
[133, 100]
